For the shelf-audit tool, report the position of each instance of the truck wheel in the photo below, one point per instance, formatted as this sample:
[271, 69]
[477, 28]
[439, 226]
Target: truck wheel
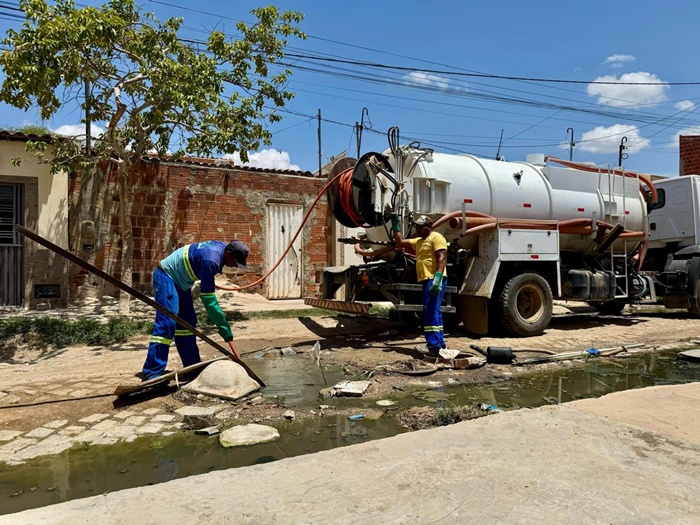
[525, 305]
[694, 302]
[609, 307]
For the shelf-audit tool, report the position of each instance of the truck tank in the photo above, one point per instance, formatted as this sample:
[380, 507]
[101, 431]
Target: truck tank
[418, 181]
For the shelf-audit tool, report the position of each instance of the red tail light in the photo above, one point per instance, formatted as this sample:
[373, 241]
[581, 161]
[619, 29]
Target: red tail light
[364, 278]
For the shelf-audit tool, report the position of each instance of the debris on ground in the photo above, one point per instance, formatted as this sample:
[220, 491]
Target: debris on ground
[432, 396]
[350, 388]
[197, 417]
[418, 418]
[208, 431]
[690, 355]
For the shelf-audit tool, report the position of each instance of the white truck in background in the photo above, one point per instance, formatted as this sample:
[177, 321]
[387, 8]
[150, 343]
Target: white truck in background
[673, 255]
[520, 234]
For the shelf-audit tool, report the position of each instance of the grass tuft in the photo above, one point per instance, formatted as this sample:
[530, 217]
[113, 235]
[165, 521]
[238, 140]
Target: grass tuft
[60, 333]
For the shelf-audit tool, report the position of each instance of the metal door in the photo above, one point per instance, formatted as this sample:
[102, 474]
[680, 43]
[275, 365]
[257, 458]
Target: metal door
[283, 221]
[11, 253]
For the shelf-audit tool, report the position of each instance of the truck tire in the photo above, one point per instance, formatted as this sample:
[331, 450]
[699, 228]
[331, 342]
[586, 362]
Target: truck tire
[609, 307]
[525, 305]
[694, 301]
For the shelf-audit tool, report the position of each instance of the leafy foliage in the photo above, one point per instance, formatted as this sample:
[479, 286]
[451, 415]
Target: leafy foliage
[154, 91]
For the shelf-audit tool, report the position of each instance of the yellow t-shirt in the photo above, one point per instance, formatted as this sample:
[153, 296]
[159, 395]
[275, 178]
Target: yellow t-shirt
[426, 262]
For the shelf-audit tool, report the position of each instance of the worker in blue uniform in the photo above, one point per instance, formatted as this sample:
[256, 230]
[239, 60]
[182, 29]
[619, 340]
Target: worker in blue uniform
[172, 288]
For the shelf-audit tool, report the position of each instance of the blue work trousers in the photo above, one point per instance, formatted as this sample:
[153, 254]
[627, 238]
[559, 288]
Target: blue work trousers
[432, 316]
[165, 330]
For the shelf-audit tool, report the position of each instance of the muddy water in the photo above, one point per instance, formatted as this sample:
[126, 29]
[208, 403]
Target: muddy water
[87, 471]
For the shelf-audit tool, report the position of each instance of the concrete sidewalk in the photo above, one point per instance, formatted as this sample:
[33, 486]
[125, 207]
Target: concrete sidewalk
[630, 457]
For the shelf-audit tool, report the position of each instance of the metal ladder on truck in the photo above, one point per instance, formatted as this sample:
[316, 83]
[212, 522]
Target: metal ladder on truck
[397, 292]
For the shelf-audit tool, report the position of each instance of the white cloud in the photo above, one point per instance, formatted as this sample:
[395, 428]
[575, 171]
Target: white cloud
[617, 61]
[622, 94]
[692, 131]
[78, 130]
[267, 158]
[607, 140]
[684, 105]
[435, 81]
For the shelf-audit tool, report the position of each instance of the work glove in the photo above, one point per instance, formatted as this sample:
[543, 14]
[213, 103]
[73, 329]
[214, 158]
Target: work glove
[395, 224]
[437, 284]
[211, 305]
[226, 333]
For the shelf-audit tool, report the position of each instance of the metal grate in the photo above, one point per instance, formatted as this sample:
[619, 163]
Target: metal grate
[11, 253]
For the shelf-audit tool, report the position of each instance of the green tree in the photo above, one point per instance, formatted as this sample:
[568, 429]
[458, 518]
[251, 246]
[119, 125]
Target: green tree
[153, 91]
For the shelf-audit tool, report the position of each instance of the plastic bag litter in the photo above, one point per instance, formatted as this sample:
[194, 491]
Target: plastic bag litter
[316, 352]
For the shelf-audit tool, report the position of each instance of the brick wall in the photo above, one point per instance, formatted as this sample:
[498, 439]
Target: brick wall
[689, 155]
[179, 203]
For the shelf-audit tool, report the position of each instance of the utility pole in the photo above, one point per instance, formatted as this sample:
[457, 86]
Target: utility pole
[359, 127]
[88, 145]
[319, 143]
[500, 141]
[571, 143]
[622, 156]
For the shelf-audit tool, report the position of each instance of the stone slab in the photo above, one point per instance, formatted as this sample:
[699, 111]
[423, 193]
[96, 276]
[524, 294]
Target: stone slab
[350, 388]
[39, 432]
[690, 355]
[245, 435]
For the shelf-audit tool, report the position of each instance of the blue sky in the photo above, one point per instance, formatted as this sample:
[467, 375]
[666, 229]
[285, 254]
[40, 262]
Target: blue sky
[645, 41]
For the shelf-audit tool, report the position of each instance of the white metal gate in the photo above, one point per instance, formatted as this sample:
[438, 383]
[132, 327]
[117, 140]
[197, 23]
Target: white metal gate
[11, 254]
[283, 221]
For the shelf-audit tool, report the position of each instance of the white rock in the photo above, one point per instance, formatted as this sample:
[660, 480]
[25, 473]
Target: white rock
[248, 435]
[385, 403]
[289, 414]
[224, 379]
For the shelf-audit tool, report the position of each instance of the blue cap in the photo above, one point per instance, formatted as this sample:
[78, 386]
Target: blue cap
[240, 251]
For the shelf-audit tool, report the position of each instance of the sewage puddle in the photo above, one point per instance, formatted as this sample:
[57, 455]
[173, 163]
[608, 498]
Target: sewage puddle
[88, 471]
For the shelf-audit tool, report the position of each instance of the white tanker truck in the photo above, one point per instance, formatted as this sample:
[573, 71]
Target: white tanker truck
[520, 234]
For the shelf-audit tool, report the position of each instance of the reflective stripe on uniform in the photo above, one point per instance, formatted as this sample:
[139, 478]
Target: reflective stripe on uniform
[186, 260]
[182, 333]
[207, 293]
[432, 329]
[161, 340]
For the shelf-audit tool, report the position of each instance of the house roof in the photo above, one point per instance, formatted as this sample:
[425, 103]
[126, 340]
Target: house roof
[227, 164]
[191, 161]
[24, 137]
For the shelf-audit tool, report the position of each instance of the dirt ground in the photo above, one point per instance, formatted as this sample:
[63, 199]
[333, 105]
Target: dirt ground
[38, 385]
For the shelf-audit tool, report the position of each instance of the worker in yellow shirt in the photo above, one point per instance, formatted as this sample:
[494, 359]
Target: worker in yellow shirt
[431, 258]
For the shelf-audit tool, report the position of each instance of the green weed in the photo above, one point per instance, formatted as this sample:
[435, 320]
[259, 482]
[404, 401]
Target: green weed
[60, 333]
